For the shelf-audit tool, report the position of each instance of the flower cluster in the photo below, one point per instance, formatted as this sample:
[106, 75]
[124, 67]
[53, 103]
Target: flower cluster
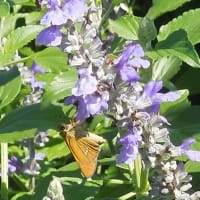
[116, 87]
[29, 165]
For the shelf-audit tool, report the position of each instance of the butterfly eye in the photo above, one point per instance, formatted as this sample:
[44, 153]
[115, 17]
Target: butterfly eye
[62, 130]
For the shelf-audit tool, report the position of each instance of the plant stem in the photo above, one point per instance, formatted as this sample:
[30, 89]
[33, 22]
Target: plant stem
[137, 169]
[4, 171]
[32, 163]
[106, 15]
[141, 178]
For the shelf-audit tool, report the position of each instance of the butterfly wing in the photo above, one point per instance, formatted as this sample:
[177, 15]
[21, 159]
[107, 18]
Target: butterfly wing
[85, 152]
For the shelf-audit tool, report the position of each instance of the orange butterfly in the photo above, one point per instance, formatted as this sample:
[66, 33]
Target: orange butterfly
[84, 146]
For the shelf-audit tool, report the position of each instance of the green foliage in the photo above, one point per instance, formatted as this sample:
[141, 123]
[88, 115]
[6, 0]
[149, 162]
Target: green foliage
[46, 59]
[165, 68]
[10, 85]
[188, 22]
[174, 60]
[60, 87]
[24, 122]
[21, 36]
[177, 44]
[4, 9]
[161, 7]
[126, 27]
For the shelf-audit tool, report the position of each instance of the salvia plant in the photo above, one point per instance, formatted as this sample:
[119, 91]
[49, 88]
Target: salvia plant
[118, 69]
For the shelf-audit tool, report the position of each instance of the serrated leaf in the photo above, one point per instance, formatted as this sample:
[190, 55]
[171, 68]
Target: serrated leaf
[10, 84]
[24, 122]
[160, 7]
[177, 44]
[60, 87]
[4, 9]
[52, 59]
[165, 68]
[189, 21]
[126, 27]
[21, 36]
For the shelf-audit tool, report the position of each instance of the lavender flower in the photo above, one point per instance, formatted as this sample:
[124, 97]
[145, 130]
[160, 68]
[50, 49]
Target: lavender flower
[37, 69]
[130, 144]
[129, 61]
[41, 138]
[54, 14]
[191, 154]
[74, 9]
[86, 84]
[14, 165]
[89, 105]
[31, 166]
[151, 92]
[50, 36]
[86, 93]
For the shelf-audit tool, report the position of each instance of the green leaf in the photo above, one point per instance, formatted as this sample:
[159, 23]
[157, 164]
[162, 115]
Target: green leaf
[5, 58]
[192, 166]
[4, 9]
[126, 27]
[24, 2]
[21, 36]
[189, 21]
[52, 59]
[8, 23]
[165, 68]
[33, 17]
[160, 7]
[24, 122]
[189, 80]
[10, 84]
[60, 87]
[173, 109]
[177, 44]
[147, 31]
[186, 124]
[55, 145]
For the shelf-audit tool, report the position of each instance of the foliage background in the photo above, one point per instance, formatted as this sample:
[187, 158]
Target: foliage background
[176, 62]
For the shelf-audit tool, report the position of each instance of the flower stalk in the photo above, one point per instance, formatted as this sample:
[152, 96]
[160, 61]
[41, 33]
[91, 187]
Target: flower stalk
[141, 178]
[4, 171]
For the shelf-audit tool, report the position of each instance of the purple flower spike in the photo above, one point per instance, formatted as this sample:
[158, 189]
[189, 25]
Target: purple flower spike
[36, 84]
[152, 88]
[96, 103]
[129, 149]
[54, 15]
[86, 84]
[14, 165]
[129, 60]
[50, 36]
[151, 91]
[39, 156]
[191, 154]
[128, 74]
[89, 105]
[37, 69]
[74, 9]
